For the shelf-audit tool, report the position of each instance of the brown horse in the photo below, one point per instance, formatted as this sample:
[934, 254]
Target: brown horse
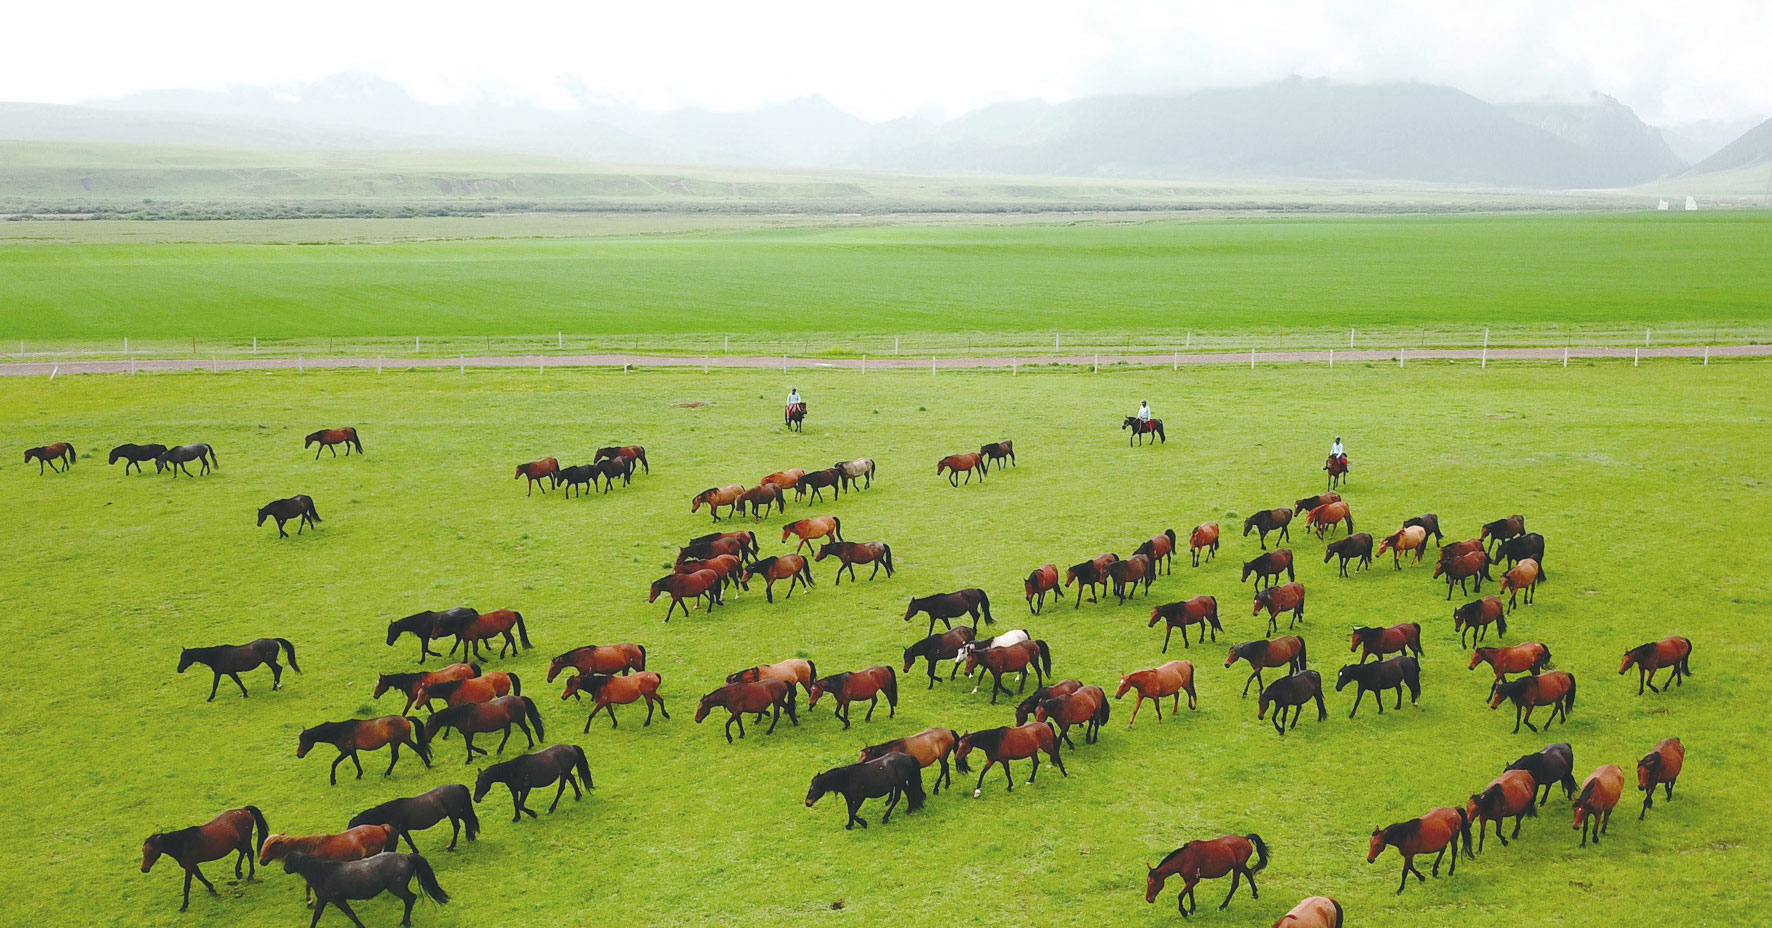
[593, 658]
[796, 670]
[1312, 912]
[353, 735]
[49, 454]
[956, 464]
[480, 688]
[608, 691]
[729, 566]
[1201, 610]
[761, 498]
[1038, 584]
[1086, 706]
[786, 479]
[851, 553]
[494, 624]
[758, 697]
[1526, 575]
[1002, 745]
[1269, 567]
[1660, 767]
[702, 583]
[933, 648]
[1502, 529]
[412, 683]
[1555, 689]
[1674, 652]
[1287, 651]
[1475, 617]
[328, 439]
[1208, 860]
[1269, 520]
[854, 686]
[478, 718]
[1128, 574]
[633, 453]
[1336, 466]
[715, 497]
[537, 472]
[1526, 657]
[1311, 502]
[790, 567]
[997, 452]
[1024, 710]
[227, 833]
[929, 746]
[1204, 537]
[1286, 597]
[1019, 657]
[1324, 518]
[1161, 550]
[1413, 537]
[816, 481]
[742, 543]
[1377, 642]
[1289, 694]
[1508, 795]
[1434, 833]
[1090, 573]
[352, 844]
[1356, 547]
[1430, 523]
[1599, 795]
[1170, 679]
[1473, 566]
[810, 530]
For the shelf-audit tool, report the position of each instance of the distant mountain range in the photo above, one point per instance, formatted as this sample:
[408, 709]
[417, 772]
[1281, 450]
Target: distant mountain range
[1295, 129]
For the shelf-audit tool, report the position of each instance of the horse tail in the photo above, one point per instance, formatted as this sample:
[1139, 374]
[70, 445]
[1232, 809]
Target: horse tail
[1501, 624]
[312, 511]
[1531, 810]
[984, 603]
[534, 715]
[420, 738]
[1350, 520]
[1213, 615]
[264, 828]
[887, 557]
[1303, 661]
[1338, 912]
[642, 655]
[427, 879]
[1464, 830]
[213, 462]
[1260, 853]
[1417, 627]
[475, 668]
[522, 630]
[72, 457]
[288, 649]
[1159, 424]
[516, 684]
[1569, 698]
[806, 571]
[1101, 713]
[1686, 660]
[470, 819]
[583, 765]
[913, 787]
[1045, 656]
[356, 441]
[891, 687]
[836, 527]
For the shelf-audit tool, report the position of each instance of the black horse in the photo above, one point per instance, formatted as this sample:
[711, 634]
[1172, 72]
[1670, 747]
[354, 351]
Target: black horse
[134, 455]
[235, 659]
[526, 772]
[1393, 674]
[417, 813]
[1352, 548]
[295, 507]
[1429, 523]
[611, 468]
[817, 480]
[1521, 547]
[335, 882]
[794, 417]
[430, 626]
[934, 648]
[894, 776]
[175, 458]
[578, 475]
[947, 606]
[997, 452]
[1289, 694]
[1141, 429]
[1553, 766]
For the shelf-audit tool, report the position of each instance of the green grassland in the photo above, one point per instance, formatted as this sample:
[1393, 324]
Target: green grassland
[1647, 483]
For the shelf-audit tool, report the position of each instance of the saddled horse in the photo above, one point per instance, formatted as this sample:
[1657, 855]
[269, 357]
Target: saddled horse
[1502, 529]
[1170, 679]
[487, 625]
[1356, 547]
[417, 813]
[1553, 766]
[133, 455]
[761, 498]
[227, 833]
[1038, 584]
[1269, 520]
[49, 454]
[810, 530]
[851, 553]
[891, 776]
[411, 684]
[1507, 796]
[1090, 573]
[233, 660]
[1161, 550]
[1336, 467]
[1140, 428]
[929, 746]
[1269, 567]
[716, 497]
[1393, 674]
[353, 735]
[997, 452]
[855, 471]
[1600, 793]
[351, 844]
[295, 507]
[1020, 657]
[793, 416]
[1377, 642]
[1289, 694]
[1200, 610]
[956, 464]
[1526, 657]
[1430, 523]
[812, 485]
[1674, 652]
[1088, 706]
[945, 607]
[604, 658]
[1324, 518]
[1129, 573]
[1475, 617]
[1555, 688]
[429, 626]
[478, 718]
[609, 691]
[635, 453]
[699, 585]
[1283, 597]
[854, 686]
[176, 458]
[1002, 745]
[1204, 537]
[335, 883]
[1526, 575]
[1286, 651]
[537, 472]
[1437, 832]
[329, 439]
[759, 697]
[1412, 537]
[790, 567]
[1308, 503]
[1208, 860]
[933, 648]
[565, 763]
[1660, 767]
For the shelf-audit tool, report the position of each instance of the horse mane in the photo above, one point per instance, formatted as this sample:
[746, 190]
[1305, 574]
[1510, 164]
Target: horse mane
[325, 730]
[402, 680]
[1366, 633]
[172, 843]
[593, 683]
[1489, 797]
[1641, 651]
[443, 689]
[1402, 831]
[763, 565]
[989, 739]
[1528, 763]
[1651, 760]
[1172, 855]
[835, 682]
[1512, 689]
[1587, 791]
[451, 714]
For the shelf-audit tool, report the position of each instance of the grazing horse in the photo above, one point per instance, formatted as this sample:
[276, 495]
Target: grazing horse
[1024, 710]
[790, 567]
[1312, 912]
[945, 607]
[351, 844]
[1090, 573]
[1472, 566]
[1289, 694]
[758, 696]
[1208, 860]
[1201, 610]
[353, 735]
[786, 479]
[1526, 575]
[1284, 597]
[1412, 537]
[1508, 795]
[235, 659]
[929, 746]
[1269, 566]
[1377, 642]
[1018, 657]
[582, 477]
[744, 539]
[1287, 651]
[329, 439]
[997, 452]
[729, 567]
[1038, 584]
[1434, 833]
[1356, 547]
[1324, 518]
[1521, 547]
[1553, 766]
[715, 497]
[1002, 745]
[1555, 689]
[810, 530]
[133, 455]
[1204, 537]
[1475, 617]
[1161, 550]
[49, 454]
[1674, 652]
[1312, 502]
[1269, 520]
[1141, 428]
[851, 472]
[175, 458]
[1660, 767]
[477, 688]
[608, 691]
[336, 882]
[563, 762]
[604, 658]
[295, 507]
[956, 464]
[429, 626]
[417, 813]
[1336, 466]
[412, 684]
[1127, 574]
[854, 686]
[891, 776]
[1393, 674]
[933, 648]
[1502, 529]
[1600, 793]
[227, 833]
[1526, 657]
[816, 481]
[538, 471]
[1169, 679]
[851, 553]
[1087, 706]
[793, 416]
[478, 718]
[494, 624]
[761, 498]
[1430, 523]
[702, 583]
[635, 453]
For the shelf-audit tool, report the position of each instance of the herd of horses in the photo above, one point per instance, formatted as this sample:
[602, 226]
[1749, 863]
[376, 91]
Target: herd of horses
[608, 464]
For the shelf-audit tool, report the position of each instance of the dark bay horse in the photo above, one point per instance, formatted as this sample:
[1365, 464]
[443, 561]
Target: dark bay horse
[351, 844]
[429, 626]
[854, 686]
[759, 697]
[761, 498]
[295, 507]
[1140, 429]
[537, 472]
[1289, 694]
[1161, 550]
[1430, 523]
[956, 464]
[702, 584]
[1200, 610]
[930, 746]
[605, 658]
[1038, 584]
[1555, 765]
[1673, 652]
[1087, 706]
[353, 735]
[329, 439]
[1507, 796]
[336, 882]
[1090, 573]
[133, 455]
[1475, 617]
[579, 477]
[1356, 547]
[1286, 651]
[1208, 860]
[1437, 832]
[1024, 710]
[1269, 567]
[793, 416]
[487, 625]
[933, 648]
[1128, 574]
[997, 452]
[1311, 502]
[477, 718]
[1521, 547]
[417, 813]
[176, 458]
[1660, 767]
[1472, 566]
[1270, 520]
[1393, 674]
[892, 776]
[525, 772]
[1002, 745]
[609, 469]
[1336, 467]
[812, 484]
[1019, 657]
[1502, 529]
[1170, 679]
[851, 553]
[790, 567]
[49, 454]
[608, 691]
[233, 660]
[635, 453]
[945, 607]
[421, 681]
[227, 833]
[1283, 597]
[1554, 688]
[1377, 642]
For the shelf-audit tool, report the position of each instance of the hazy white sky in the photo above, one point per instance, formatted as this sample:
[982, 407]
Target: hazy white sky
[1671, 61]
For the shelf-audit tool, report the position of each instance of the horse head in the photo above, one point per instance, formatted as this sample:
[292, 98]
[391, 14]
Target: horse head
[186, 657]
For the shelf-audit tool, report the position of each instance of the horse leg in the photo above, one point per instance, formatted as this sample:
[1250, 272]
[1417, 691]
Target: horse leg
[1236, 878]
[1360, 694]
[242, 686]
[1136, 704]
[1253, 678]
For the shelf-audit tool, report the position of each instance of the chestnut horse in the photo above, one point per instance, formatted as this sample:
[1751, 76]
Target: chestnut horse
[956, 464]
[538, 471]
[715, 497]
[1002, 745]
[1434, 833]
[810, 530]
[1286, 597]
[742, 543]
[1311, 502]
[1502, 529]
[1201, 610]
[1038, 584]
[758, 697]
[412, 683]
[353, 735]
[1555, 689]
[1336, 466]
[933, 648]
[1127, 574]
[1474, 618]
[478, 688]
[1161, 550]
[1600, 793]
[1090, 573]
[1287, 651]
[1170, 679]
[1324, 518]
[227, 833]
[1356, 547]
[1553, 766]
[1208, 860]
[1413, 537]
[1525, 657]
[328, 439]
[494, 624]
[796, 670]
[1269, 520]
[945, 607]
[1024, 710]
[790, 567]
[49, 454]
[1674, 652]
[1526, 575]
[786, 479]
[478, 718]
[352, 844]
[1660, 767]
[702, 583]
[729, 566]
[1086, 706]
[851, 553]
[761, 498]
[1377, 642]
[593, 658]
[929, 746]
[1269, 567]
[1204, 537]
[1018, 657]
[1508, 795]
[1459, 569]
[635, 453]
[607, 692]
[1289, 694]
[1312, 912]
[854, 686]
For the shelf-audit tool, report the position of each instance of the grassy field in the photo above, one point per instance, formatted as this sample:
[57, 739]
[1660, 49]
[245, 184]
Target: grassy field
[1642, 480]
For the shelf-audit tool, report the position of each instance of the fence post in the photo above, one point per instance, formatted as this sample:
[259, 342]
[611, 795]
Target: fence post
[298, 365]
[561, 343]
[1190, 340]
[1013, 368]
[54, 371]
[932, 365]
[1565, 357]
[125, 344]
[1636, 357]
[1097, 362]
[704, 363]
[1332, 359]
[1706, 355]
[1400, 356]
[1055, 337]
[864, 364]
[1350, 337]
[378, 364]
[1485, 338]
[1645, 338]
[784, 363]
[1175, 362]
[462, 359]
[727, 346]
[255, 344]
[415, 344]
[132, 365]
[1252, 359]
[1485, 365]
[541, 368]
[212, 368]
[895, 344]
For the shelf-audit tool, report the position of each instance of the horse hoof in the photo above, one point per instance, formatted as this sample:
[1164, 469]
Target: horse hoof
[977, 793]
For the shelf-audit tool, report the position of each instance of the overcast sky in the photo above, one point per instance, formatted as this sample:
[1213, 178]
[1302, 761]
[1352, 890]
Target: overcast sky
[1671, 61]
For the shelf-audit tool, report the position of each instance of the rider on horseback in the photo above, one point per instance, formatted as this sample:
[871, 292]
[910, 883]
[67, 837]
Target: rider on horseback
[1336, 451]
[1144, 413]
